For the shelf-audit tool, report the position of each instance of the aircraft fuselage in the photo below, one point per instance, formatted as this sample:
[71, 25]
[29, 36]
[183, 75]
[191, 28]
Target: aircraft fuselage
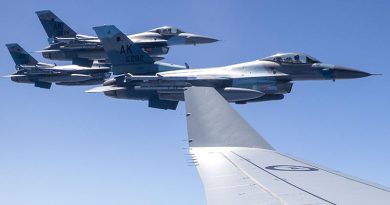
[253, 81]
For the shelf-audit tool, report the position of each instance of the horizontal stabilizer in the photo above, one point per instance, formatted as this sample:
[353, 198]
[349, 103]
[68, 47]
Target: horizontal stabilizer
[104, 89]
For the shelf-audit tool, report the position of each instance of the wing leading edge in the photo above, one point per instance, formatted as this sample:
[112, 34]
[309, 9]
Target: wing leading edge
[237, 166]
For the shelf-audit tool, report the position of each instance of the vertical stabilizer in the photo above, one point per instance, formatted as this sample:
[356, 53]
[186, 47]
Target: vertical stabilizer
[20, 56]
[121, 51]
[54, 26]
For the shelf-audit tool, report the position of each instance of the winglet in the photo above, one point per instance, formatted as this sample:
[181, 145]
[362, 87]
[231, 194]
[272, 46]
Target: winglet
[212, 122]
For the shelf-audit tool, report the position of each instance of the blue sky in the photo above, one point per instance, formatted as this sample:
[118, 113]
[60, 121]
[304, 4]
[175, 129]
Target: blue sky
[63, 146]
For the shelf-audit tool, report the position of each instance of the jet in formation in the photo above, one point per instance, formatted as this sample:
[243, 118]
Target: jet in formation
[66, 44]
[90, 65]
[42, 75]
[239, 167]
[265, 79]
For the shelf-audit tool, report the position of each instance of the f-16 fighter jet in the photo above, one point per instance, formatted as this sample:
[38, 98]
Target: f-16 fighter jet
[42, 75]
[260, 80]
[67, 44]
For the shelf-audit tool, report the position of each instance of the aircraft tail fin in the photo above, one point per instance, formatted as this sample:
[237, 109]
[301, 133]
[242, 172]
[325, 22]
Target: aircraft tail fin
[20, 56]
[120, 49]
[54, 26]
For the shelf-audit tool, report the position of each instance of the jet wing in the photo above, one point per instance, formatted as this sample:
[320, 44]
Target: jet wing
[238, 167]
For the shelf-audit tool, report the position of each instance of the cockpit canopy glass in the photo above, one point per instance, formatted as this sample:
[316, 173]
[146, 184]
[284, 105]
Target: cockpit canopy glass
[291, 58]
[167, 30]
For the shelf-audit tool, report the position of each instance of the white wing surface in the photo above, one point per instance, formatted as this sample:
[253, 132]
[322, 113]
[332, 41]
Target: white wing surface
[238, 167]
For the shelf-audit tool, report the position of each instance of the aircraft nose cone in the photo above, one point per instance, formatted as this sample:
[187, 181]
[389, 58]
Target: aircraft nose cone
[197, 39]
[348, 73]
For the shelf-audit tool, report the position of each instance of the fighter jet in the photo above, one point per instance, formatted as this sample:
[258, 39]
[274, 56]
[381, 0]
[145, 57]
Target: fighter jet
[67, 44]
[42, 75]
[239, 167]
[260, 80]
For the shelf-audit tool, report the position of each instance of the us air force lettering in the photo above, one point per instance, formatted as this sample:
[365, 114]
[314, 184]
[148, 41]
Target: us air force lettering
[130, 57]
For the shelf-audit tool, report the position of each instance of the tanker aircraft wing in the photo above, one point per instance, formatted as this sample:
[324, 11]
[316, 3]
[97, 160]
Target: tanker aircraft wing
[238, 167]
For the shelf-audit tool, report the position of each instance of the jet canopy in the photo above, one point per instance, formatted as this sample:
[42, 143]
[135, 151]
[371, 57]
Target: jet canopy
[291, 58]
[167, 30]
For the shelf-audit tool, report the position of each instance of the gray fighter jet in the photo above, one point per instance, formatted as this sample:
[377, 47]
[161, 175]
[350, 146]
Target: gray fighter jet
[42, 75]
[66, 44]
[260, 80]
